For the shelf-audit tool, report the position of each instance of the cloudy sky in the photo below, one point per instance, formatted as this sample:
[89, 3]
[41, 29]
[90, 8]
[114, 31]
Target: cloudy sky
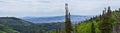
[46, 8]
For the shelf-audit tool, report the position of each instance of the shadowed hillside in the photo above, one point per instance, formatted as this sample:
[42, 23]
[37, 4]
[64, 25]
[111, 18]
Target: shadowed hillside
[6, 29]
[18, 24]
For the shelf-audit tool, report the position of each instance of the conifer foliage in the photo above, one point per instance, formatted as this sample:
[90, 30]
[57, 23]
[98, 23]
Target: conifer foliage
[92, 28]
[105, 25]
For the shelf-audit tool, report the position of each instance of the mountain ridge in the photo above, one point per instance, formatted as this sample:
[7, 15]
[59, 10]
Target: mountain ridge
[74, 18]
[18, 24]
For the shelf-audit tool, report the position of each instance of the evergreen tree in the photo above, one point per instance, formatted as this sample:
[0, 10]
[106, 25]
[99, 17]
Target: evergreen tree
[92, 28]
[109, 12]
[68, 27]
[106, 26]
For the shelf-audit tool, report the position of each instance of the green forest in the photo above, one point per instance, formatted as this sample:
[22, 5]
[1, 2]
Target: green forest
[107, 22]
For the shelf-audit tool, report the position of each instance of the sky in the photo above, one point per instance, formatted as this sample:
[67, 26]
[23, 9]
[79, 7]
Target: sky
[47, 8]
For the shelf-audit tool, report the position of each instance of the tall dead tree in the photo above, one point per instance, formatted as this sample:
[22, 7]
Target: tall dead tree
[68, 26]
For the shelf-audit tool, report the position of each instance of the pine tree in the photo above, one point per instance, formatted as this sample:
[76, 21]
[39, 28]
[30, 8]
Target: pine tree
[92, 28]
[68, 27]
[109, 12]
[102, 26]
[106, 26]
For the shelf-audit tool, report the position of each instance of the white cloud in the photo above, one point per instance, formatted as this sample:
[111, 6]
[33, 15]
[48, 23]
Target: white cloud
[54, 7]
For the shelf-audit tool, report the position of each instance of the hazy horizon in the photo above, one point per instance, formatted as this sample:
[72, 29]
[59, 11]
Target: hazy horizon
[48, 8]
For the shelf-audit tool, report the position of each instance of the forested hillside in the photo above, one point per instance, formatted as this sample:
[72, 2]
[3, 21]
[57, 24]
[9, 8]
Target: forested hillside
[18, 24]
[97, 24]
[108, 22]
[6, 29]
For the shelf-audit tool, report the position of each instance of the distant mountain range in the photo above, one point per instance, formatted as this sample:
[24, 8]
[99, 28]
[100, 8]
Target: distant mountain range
[36, 23]
[16, 25]
[74, 19]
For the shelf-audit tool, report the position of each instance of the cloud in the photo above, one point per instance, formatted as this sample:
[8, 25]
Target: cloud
[44, 8]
